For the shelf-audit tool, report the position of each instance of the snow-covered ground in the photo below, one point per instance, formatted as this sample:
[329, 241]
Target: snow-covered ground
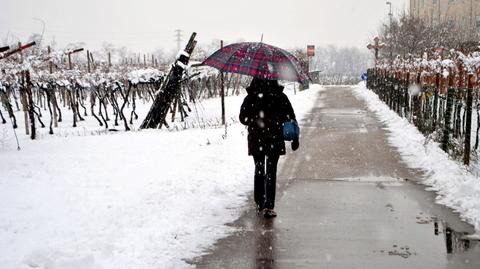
[456, 187]
[86, 199]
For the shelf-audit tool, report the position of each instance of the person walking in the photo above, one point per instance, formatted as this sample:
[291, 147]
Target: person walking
[264, 111]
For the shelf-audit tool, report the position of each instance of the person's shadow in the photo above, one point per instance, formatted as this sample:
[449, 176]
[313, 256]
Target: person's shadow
[265, 244]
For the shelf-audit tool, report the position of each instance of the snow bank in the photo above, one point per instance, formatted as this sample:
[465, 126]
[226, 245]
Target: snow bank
[455, 186]
[146, 199]
[137, 200]
[144, 75]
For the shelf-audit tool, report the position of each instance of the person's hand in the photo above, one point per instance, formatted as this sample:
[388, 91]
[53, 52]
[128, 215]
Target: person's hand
[295, 145]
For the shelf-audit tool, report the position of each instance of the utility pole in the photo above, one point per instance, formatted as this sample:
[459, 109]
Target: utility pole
[179, 39]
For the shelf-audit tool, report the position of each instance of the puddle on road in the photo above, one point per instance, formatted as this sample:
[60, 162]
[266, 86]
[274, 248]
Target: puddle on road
[380, 181]
[455, 242]
[343, 111]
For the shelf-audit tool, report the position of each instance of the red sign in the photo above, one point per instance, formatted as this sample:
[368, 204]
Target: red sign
[310, 50]
[439, 51]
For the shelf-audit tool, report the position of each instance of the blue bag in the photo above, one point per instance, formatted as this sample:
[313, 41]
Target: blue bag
[291, 131]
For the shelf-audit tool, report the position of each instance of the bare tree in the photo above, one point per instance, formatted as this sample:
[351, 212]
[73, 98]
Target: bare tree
[411, 35]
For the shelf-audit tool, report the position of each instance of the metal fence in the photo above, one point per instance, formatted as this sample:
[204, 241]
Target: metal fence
[440, 106]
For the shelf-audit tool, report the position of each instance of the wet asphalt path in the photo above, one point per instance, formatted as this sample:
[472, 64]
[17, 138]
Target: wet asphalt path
[345, 200]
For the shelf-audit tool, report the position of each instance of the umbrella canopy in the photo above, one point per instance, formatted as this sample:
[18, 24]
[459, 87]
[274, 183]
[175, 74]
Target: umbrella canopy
[258, 60]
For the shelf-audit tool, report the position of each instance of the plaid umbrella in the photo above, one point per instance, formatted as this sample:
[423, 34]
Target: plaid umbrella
[258, 60]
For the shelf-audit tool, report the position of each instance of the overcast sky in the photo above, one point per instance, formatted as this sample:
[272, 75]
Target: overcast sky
[143, 25]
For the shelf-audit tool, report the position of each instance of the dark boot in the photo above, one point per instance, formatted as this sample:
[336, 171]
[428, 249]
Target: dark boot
[269, 213]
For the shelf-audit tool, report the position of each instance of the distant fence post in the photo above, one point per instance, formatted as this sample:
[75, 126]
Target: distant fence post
[435, 100]
[468, 127]
[417, 105]
[31, 105]
[448, 113]
[407, 95]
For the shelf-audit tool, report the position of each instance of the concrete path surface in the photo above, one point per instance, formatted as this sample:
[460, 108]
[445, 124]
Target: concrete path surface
[345, 200]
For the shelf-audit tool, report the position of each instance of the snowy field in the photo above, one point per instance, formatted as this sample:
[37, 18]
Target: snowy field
[456, 187]
[88, 199]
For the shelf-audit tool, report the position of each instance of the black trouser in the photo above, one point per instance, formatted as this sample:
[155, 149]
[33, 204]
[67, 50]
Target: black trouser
[265, 180]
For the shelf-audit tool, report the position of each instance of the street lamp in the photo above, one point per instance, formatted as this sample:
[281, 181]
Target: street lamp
[390, 4]
[390, 14]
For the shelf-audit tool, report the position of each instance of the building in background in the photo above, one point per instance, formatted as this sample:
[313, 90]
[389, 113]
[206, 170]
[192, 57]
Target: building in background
[458, 14]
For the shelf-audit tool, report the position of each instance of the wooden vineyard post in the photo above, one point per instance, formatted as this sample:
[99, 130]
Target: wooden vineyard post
[31, 107]
[69, 53]
[73, 105]
[64, 97]
[88, 61]
[70, 62]
[53, 98]
[55, 108]
[21, 53]
[24, 95]
[222, 90]
[24, 100]
[92, 62]
[50, 64]
[169, 89]
[468, 127]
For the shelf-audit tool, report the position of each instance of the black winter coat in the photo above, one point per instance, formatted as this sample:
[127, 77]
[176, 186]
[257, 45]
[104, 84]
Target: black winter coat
[264, 111]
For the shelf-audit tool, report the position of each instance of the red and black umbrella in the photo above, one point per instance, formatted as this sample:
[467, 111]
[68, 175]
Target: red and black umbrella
[258, 60]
